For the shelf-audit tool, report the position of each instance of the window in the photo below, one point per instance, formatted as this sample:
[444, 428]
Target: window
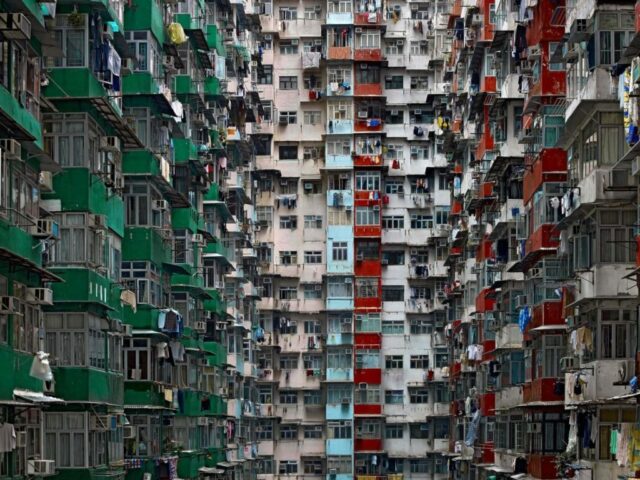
[73, 42]
[78, 243]
[393, 293]
[65, 438]
[312, 221]
[289, 222]
[288, 13]
[419, 48]
[369, 38]
[367, 215]
[265, 75]
[287, 467]
[418, 395]
[289, 397]
[312, 117]
[338, 430]
[367, 287]
[339, 287]
[393, 326]
[393, 361]
[264, 215]
[421, 221]
[339, 251]
[342, 465]
[288, 118]
[420, 327]
[313, 397]
[612, 44]
[368, 250]
[288, 432]
[265, 465]
[393, 187]
[368, 181]
[442, 215]
[313, 256]
[288, 362]
[419, 361]
[288, 82]
[441, 359]
[312, 466]
[143, 278]
[610, 418]
[339, 147]
[287, 47]
[617, 334]
[340, 358]
[394, 117]
[392, 222]
[394, 430]
[393, 257]
[312, 291]
[288, 152]
[339, 216]
[367, 359]
[419, 82]
[312, 13]
[419, 465]
[394, 82]
[288, 293]
[313, 152]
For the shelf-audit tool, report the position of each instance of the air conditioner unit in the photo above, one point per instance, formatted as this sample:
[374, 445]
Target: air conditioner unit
[127, 330]
[346, 401]
[363, 114]
[45, 181]
[110, 144]
[167, 62]
[197, 238]
[40, 296]
[521, 301]
[118, 183]
[203, 421]
[568, 363]
[399, 43]
[476, 19]
[15, 26]
[9, 305]
[45, 228]
[446, 87]
[395, 112]
[358, 30]
[267, 37]
[102, 422]
[41, 467]
[308, 186]
[21, 439]
[160, 205]
[200, 326]
[423, 42]
[130, 431]
[294, 42]
[533, 51]
[11, 149]
[384, 261]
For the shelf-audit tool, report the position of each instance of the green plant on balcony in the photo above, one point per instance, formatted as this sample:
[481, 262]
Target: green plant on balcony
[76, 19]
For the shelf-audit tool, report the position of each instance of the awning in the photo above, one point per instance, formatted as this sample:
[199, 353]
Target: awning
[210, 470]
[225, 464]
[17, 262]
[35, 397]
[243, 52]
[549, 327]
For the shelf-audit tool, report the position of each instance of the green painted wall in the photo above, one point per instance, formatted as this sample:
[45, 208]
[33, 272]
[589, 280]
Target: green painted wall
[19, 242]
[73, 82]
[145, 15]
[16, 366]
[140, 243]
[145, 318]
[83, 285]
[80, 191]
[89, 385]
[143, 393]
[21, 116]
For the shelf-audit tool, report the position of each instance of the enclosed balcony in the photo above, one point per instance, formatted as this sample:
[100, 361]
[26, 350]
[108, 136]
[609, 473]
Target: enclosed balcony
[368, 45]
[339, 43]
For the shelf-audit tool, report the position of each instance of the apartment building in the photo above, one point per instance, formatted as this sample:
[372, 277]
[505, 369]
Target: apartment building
[542, 289]
[127, 305]
[352, 206]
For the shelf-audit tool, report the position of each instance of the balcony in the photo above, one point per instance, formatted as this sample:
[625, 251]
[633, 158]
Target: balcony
[339, 411]
[369, 124]
[368, 55]
[339, 446]
[550, 165]
[542, 466]
[340, 53]
[368, 161]
[340, 127]
[368, 18]
[541, 390]
[602, 383]
[339, 375]
[368, 445]
[372, 376]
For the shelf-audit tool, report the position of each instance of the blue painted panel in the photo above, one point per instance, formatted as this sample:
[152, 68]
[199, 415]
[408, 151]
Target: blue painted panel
[340, 446]
[339, 18]
[338, 162]
[340, 198]
[339, 374]
[340, 338]
[339, 412]
[340, 127]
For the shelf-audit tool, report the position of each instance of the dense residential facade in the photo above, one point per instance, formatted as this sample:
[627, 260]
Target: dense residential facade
[327, 239]
[128, 302]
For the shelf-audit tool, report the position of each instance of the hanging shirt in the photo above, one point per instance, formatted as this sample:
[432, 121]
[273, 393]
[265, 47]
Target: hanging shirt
[7, 438]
